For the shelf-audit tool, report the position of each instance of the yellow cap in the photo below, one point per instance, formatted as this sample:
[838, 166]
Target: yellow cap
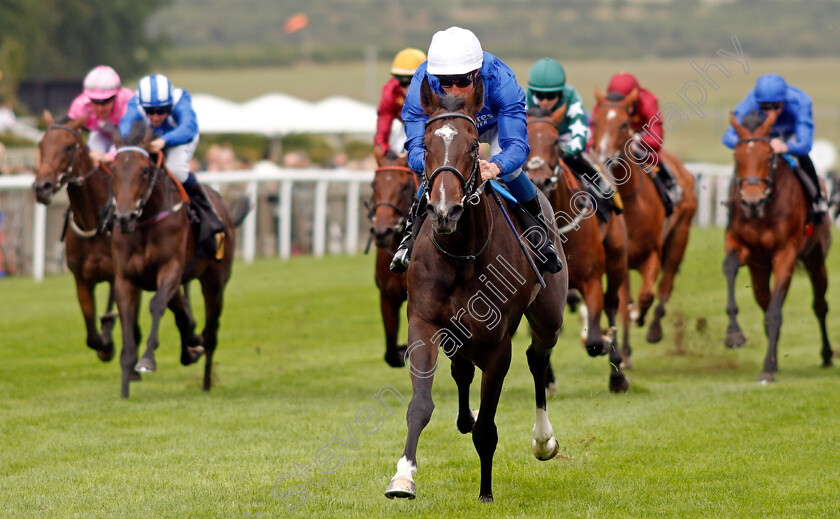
[407, 61]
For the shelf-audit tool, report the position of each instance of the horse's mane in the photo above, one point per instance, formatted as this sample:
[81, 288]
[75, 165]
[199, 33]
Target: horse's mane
[452, 103]
[538, 112]
[615, 97]
[137, 133]
[753, 120]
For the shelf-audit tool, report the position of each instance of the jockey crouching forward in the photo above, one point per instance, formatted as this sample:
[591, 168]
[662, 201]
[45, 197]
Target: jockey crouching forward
[455, 59]
[391, 103]
[168, 111]
[104, 102]
[793, 131]
[645, 121]
[547, 89]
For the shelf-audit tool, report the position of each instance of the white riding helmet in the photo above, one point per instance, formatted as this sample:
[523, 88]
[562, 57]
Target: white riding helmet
[454, 51]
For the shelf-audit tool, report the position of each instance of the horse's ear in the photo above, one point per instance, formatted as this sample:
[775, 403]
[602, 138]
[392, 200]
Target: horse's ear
[741, 131]
[475, 100]
[48, 118]
[631, 98]
[77, 123]
[599, 97]
[378, 154]
[558, 115]
[147, 138]
[428, 99]
[767, 125]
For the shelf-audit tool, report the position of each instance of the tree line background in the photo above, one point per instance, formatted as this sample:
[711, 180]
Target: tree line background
[65, 38]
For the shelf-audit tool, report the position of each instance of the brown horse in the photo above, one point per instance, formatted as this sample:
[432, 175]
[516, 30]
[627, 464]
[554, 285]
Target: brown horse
[591, 252]
[394, 185]
[154, 249]
[769, 232]
[469, 284]
[65, 160]
[654, 245]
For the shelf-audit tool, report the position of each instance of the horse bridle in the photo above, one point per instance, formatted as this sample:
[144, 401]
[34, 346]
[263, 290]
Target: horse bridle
[468, 186]
[66, 176]
[773, 161]
[539, 162]
[371, 207]
[140, 204]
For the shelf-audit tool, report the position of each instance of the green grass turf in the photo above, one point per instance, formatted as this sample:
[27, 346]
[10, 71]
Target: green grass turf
[697, 140]
[300, 354]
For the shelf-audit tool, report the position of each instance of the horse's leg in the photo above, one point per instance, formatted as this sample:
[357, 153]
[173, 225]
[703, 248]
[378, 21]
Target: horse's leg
[649, 271]
[168, 283]
[195, 339]
[422, 357]
[593, 294]
[734, 336]
[212, 287]
[186, 324]
[390, 308]
[783, 262]
[815, 263]
[485, 435]
[624, 304]
[463, 372]
[544, 445]
[107, 321]
[128, 300]
[87, 301]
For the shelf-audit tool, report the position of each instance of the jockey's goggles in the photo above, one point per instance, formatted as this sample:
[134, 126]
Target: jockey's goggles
[769, 106]
[459, 80]
[404, 81]
[157, 110]
[101, 102]
[546, 95]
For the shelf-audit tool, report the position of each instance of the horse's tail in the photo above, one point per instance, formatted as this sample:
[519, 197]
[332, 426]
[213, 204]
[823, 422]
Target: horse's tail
[240, 209]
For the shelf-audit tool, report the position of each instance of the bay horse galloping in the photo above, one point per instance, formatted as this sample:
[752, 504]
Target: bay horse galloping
[154, 249]
[65, 160]
[469, 284]
[394, 185]
[769, 232]
[592, 250]
[654, 244]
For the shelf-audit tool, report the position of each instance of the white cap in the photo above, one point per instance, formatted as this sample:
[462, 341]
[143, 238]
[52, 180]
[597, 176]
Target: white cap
[454, 51]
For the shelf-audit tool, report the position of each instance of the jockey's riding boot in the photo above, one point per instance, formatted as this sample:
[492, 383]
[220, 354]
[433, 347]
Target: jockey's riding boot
[209, 225]
[546, 255]
[416, 217]
[819, 206]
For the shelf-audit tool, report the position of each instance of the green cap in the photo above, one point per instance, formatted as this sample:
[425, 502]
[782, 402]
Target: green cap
[547, 75]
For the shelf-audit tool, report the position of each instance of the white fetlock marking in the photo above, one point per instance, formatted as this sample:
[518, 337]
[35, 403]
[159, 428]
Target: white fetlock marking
[405, 469]
[544, 443]
[584, 319]
[634, 313]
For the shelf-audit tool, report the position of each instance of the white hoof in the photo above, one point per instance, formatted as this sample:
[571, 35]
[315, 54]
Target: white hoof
[401, 487]
[634, 313]
[546, 451]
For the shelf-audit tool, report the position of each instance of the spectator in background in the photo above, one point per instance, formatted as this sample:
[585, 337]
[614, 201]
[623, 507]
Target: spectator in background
[103, 101]
[7, 117]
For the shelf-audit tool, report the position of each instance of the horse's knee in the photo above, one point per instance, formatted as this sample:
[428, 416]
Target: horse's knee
[485, 438]
[419, 411]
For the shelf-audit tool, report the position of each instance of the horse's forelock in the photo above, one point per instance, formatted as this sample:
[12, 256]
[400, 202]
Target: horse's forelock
[615, 97]
[451, 103]
[753, 120]
[538, 112]
[64, 119]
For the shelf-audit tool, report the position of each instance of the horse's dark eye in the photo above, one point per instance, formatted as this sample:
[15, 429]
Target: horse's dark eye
[70, 147]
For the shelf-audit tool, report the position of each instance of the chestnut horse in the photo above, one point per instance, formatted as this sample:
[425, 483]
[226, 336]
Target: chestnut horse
[654, 245]
[154, 249]
[469, 284]
[768, 232]
[394, 185]
[590, 251]
[65, 160]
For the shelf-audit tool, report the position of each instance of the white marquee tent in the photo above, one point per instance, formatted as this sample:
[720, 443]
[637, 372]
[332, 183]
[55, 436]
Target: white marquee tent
[279, 114]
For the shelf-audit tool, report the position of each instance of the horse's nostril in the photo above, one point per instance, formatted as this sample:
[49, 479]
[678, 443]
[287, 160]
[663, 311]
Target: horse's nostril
[456, 212]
